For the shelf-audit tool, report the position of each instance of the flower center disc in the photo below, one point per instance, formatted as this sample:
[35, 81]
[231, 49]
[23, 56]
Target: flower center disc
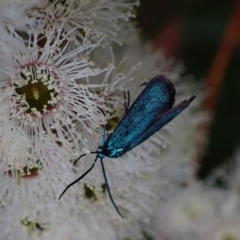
[37, 88]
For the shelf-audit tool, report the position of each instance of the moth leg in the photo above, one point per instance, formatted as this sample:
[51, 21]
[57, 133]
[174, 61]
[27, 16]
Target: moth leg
[126, 100]
[108, 189]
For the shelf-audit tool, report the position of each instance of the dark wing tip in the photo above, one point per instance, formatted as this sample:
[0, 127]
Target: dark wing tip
[187, 102]
[191, 99]
[170, 87]
[171, 90]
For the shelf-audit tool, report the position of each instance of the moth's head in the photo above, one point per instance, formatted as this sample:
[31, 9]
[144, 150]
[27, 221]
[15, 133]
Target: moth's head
[101, 152]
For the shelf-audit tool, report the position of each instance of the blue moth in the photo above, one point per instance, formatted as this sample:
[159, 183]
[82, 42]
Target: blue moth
[152, 110]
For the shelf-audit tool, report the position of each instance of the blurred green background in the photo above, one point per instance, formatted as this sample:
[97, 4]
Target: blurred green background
[205, 34]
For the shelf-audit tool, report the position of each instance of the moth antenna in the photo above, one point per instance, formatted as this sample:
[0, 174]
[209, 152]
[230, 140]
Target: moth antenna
[81, 177]
[108, 189]
[81, 157]
[127, 100]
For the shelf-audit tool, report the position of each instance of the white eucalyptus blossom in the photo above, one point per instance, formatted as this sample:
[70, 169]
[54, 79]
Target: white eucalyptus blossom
[179, 165]
[133, 179]
[42, 103]
[55, 97]
[95, 18]
[193, 210]
[184, 215]
[224, 229]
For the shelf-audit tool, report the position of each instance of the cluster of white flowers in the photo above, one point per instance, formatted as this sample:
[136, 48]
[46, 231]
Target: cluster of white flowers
[199, 212]
[62, 64]
[191, 209]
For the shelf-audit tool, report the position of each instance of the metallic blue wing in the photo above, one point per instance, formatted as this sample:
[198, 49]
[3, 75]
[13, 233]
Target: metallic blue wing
[157, 98]
[160, 121]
